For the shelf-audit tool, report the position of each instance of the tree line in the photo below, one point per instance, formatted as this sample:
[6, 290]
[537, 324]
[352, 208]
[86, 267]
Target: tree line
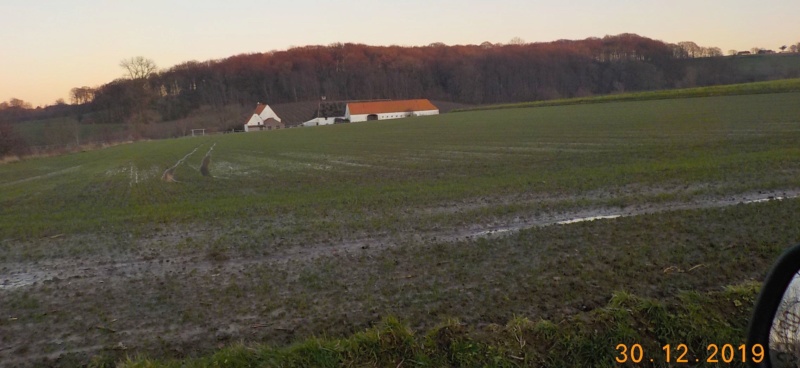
[473, 74]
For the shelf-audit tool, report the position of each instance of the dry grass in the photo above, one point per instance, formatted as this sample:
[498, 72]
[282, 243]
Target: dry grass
[9, 159]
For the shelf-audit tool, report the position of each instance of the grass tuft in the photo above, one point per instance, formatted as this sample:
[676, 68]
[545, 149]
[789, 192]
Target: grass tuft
[586, 340]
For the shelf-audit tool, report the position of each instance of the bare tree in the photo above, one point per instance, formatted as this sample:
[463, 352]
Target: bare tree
[712, 51]
[793, 48]
[20, 104]
[81, 95]
[691, 49]
[732, 52]
[138, 67]
[516, 41]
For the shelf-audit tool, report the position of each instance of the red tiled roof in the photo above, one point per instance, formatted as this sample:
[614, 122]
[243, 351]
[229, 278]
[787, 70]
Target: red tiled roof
[259, 109]
[379, 107]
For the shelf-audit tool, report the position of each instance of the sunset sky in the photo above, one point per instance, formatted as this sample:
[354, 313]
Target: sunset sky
[50, 46]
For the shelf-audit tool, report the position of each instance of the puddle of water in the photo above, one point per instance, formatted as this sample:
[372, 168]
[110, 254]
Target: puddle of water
[509, 229]
[765, 200]
[493, 232]
[601, 217]
[584, 219]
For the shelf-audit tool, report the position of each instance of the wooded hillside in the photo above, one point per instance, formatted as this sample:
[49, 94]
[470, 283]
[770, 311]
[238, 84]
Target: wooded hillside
[471, 74]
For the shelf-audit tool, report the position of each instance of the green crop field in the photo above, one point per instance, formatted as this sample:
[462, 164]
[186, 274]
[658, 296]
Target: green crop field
[399, 175]
[777, 86]
[327, 231]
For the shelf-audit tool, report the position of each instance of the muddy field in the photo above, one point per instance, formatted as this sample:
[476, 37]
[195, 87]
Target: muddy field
[322, 232]
[67, 310]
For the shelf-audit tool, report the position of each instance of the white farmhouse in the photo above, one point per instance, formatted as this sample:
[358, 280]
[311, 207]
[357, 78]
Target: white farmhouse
[263, 119]
[382, 110]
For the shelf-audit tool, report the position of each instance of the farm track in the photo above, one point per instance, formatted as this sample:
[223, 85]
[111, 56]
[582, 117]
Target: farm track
[24, 274]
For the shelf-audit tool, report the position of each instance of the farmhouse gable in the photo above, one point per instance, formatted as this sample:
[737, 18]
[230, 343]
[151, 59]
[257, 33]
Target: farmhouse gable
[263, 118]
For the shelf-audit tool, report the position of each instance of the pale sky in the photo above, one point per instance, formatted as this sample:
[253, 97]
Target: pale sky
[49, 46]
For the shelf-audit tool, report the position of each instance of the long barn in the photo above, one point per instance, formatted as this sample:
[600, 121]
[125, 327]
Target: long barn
[382, 110]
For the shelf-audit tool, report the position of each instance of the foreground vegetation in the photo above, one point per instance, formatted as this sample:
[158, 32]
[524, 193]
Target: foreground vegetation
[653, 280]
[589, 340]
[302, 233]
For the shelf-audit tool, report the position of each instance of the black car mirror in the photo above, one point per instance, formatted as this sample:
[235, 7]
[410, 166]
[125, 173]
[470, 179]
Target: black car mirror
[776, 318]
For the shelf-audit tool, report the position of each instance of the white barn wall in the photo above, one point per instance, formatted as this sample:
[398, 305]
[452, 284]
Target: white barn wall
[254, 120]
[392, 115]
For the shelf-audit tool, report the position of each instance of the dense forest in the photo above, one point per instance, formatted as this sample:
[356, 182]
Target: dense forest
[474, 74]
